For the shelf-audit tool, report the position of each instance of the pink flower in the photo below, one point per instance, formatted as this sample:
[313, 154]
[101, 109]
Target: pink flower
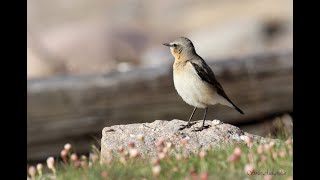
[104, 174]
[67, 147]
[202, 154]
[274, 155]
[83, 157]
[156, 170]
[32, 171]
[267, 147]
[178, 157]
[126, 153]
[249, 168]
[64, 154]
[120, 149]
[94, 157]
[169, 145]
[260, 149]
[132, 145]
[74, 157]
[271, 144]
[134, 153]
[233, 158]
[194, 174]
[77, 164]
[155, 161]
[84, 164]
[237, 151]
[282, 153]
[165, 150]
[247, 139]
[39, 168]
[50, 162]
[289, 141]
[162, 155]
[236, 155]
[204, 176]
[184, 141]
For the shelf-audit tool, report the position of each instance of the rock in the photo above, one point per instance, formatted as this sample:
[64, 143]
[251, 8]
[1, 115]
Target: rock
[216, 135]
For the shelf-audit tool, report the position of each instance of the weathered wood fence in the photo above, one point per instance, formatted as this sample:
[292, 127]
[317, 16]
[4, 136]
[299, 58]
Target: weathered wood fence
[75, 109]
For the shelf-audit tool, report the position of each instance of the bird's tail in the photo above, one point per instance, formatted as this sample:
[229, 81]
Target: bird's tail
[235, 107]
[238, 109]
[226, 101]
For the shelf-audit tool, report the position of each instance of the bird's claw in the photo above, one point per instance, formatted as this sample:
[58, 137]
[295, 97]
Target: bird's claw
[200, 128]
[186, 126]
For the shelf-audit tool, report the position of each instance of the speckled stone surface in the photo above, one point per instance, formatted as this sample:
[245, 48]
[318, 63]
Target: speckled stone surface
[217, 134]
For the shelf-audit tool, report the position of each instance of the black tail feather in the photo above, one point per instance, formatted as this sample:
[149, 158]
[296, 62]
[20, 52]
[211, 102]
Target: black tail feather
[238, 109]
[235, 107]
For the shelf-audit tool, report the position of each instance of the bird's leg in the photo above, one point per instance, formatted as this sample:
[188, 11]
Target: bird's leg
[204, 119]
[188, 125]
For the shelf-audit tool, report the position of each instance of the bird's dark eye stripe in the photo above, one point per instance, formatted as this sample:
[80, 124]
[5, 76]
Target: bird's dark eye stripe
[174, 45]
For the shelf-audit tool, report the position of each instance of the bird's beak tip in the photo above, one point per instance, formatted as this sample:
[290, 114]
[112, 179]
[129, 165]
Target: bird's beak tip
[166, 44]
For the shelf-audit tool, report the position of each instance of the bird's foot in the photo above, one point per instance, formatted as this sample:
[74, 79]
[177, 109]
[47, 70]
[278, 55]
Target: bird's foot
[186, 126]
[201, 128]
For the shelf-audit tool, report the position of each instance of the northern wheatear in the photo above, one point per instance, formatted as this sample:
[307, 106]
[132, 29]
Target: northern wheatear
[194, 80]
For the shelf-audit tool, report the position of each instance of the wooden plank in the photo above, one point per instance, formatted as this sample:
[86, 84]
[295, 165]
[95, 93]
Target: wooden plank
[73, 107]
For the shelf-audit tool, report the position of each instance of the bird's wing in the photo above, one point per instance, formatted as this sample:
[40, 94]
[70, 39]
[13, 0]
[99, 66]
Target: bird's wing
[206, 74]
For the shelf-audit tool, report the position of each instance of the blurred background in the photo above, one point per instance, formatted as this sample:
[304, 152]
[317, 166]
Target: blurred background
[81, 54]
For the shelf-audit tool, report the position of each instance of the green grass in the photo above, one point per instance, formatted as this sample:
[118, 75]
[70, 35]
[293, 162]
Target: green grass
[215, 164]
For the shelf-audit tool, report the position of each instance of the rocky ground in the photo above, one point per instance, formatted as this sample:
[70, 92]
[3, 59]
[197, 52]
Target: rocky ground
[217, 134]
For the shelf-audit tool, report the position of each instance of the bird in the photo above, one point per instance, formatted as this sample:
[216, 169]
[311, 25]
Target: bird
[195, 81]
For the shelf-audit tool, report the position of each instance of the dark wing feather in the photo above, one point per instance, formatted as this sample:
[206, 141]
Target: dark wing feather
[207, 75]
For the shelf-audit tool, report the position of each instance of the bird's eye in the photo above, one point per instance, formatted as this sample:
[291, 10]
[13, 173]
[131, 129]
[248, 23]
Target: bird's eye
[175, 45]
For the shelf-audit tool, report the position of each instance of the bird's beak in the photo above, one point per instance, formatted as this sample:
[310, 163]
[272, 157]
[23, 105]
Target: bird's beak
[167, 44]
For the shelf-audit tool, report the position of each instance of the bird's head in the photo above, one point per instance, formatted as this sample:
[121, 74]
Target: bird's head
[181, 47]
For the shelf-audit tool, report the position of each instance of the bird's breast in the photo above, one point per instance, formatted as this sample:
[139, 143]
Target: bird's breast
[190, 87]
